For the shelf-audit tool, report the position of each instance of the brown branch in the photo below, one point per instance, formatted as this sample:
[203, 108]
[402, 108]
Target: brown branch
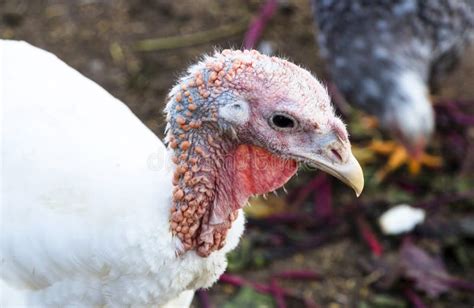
[197, 38]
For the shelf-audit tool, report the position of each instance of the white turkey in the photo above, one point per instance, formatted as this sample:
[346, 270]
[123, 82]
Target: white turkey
[97, 211]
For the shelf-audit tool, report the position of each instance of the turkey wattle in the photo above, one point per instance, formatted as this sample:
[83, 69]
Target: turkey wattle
[97, 211]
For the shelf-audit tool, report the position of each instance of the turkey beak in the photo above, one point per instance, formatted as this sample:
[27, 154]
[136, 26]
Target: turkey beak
[349, 172]
[335, 157]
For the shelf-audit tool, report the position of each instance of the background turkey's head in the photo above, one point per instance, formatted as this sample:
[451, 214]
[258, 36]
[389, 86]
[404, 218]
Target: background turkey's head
[238, 124]
[397, 96]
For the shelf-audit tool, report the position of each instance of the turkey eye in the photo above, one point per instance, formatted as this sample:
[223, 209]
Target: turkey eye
[282, 122]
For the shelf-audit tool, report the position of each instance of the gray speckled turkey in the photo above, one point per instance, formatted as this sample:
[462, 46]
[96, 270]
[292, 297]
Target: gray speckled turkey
[385, 56]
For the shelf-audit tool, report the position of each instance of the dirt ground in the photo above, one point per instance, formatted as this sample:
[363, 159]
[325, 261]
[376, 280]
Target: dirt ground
[103, 39]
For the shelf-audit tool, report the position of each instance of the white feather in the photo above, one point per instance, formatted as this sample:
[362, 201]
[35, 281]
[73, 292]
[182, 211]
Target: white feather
[86, 191]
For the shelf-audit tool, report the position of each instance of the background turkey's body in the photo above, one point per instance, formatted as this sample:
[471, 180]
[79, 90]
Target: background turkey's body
[102, 169]
[380, 39]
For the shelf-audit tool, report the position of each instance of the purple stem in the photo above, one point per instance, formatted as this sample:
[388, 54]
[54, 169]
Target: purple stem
[445, 199]
[232, 279]
[323, 199]
[203, 297]
[298, 275]
[278, 293]
[459, 116]
[413, 298]
[258, 24]
[239, 282]
[461, 284]
[369, 236]
[299, 195]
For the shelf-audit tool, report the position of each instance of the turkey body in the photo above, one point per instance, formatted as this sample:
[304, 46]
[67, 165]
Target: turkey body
[96, 211]
[386, 56]
[85, 195]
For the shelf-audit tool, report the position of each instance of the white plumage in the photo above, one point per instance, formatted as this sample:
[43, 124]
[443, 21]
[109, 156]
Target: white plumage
[86, 191]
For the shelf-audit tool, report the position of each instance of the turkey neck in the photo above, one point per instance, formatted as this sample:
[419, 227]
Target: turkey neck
[204, 205]
[197, 218]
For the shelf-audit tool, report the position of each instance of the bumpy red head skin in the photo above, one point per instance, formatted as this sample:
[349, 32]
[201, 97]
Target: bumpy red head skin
[221, 161]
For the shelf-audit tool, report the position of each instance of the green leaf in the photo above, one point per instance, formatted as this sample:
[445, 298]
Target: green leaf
[386, 301]
[247, 297]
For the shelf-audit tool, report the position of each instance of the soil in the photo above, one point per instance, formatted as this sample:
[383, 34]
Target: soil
[101, 39]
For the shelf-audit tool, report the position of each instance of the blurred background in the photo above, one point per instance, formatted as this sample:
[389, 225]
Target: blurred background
[315, 245]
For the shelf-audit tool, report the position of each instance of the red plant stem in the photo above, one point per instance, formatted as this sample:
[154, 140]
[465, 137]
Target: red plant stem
[299, 195]
[413, 298]
[461, 284]
[233, 280]
[278, 293]
[369, 236]
[323, 199]
[258, 24]
[298, 275]
[203, 297]
[459, 116]
[240, 282]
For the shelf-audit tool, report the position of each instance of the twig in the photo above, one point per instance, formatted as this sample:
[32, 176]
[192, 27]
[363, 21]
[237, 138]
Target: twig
[187, 40]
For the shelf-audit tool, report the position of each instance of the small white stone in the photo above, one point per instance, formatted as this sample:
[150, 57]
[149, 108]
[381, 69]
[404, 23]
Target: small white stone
[401, 218]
